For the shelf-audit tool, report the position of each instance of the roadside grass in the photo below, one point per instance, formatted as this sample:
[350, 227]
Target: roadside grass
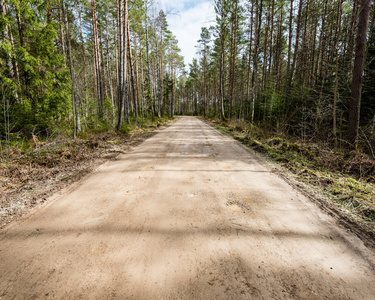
[346, 179]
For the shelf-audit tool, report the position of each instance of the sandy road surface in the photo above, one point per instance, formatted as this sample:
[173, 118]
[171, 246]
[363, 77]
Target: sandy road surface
[188, 214]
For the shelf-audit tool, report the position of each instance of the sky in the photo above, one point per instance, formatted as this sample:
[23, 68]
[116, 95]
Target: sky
[185, 20]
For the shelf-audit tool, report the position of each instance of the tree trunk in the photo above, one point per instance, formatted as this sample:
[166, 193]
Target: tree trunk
[249, 59]
[272, 36]
[335, 96]
[135, 102]
[290, 38]
[355, 101]
[278, 58]
[21, 29]
[304, 46]
[255, 62]
[173, 88]
[102, 66]
[97, 62]
[142, 87]
[321, 43]
[148, 64]
[84, 63]
[349, 52]
[161, 72]
[109, 72]
[296, 46]
[157, 72]
[76, 118]
[264, 75]
[234, 54]
[222, 57]
[121, 77]
[137, 84]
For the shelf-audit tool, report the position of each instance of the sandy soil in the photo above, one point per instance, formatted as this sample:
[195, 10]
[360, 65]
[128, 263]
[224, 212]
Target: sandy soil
[188, 214]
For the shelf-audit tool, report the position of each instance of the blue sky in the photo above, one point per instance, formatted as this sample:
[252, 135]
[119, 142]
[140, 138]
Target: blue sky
[185, 20]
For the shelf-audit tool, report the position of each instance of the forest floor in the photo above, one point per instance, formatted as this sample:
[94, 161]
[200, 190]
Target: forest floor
[341, 181]
[28, 177]
[187, 214]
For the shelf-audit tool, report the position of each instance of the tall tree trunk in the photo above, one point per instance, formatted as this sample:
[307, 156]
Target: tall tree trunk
[270, 73]
[102, 66]
[116, 29]
[173, 87]
[353, 23]
[124, 70]
[76, 117]
[204, 82]
[135, 102]
[94, 83]
[137, 81]
[109, 72]
[84, 62]
[97, 62]
[142, 77]
[148, 64]
[249, 58]
[360, 49]
[161, 72]
[313, 52]
[287, 85]
[278, 58]
[121, 77]
[234, 54]
[255, 61]
[335, 96]
[157, 72]
[304, 46]
[290, 38]
[264, 75]
[321, 43]
[296, 46]
[272, 36]
[222, 58]
[21, 29]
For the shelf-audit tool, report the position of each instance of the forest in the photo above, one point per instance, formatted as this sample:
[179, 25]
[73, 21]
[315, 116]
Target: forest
[243, 171]
[299, 67]
[71, 66]
[305, 68]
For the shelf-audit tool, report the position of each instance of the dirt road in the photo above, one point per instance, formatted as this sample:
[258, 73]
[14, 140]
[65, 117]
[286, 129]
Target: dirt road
[188, 214]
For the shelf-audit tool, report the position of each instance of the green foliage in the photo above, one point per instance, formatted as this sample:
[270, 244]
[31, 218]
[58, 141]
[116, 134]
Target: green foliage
[40, 100]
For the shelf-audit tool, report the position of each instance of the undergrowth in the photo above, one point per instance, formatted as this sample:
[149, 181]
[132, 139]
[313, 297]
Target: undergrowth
[346, 178]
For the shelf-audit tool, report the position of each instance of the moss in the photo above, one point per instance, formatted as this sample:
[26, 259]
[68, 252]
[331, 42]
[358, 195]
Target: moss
[293, 147]
[282, 159]
[240, 137]
[259, 146]
[276, 142]
[284, 146]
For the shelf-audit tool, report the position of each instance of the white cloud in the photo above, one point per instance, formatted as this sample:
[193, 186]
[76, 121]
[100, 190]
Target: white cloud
[186, 25]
